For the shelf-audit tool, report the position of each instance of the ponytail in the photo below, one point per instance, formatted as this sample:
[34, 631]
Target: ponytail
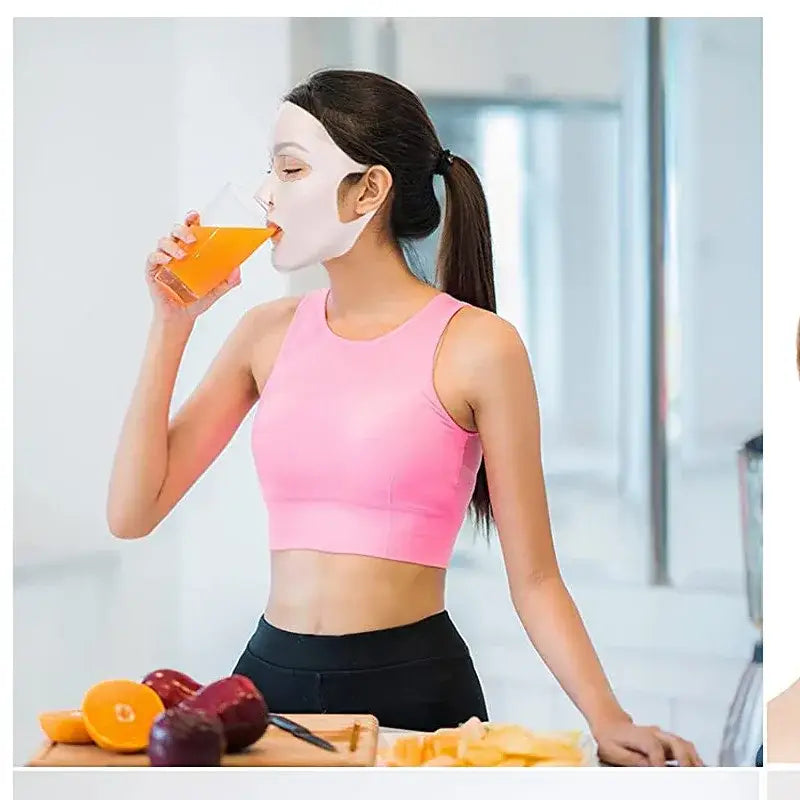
[465, 271]
[464, 263]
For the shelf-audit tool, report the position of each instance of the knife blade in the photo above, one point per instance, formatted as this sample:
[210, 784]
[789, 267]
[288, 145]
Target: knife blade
[299, 732]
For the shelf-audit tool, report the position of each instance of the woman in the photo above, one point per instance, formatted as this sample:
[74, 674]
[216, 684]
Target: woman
[783, 717]
[385, 408]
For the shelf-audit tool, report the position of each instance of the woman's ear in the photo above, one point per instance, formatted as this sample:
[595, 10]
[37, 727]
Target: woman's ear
[365, 194]
[373, 189]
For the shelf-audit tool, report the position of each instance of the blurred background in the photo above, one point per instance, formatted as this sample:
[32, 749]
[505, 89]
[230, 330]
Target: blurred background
[622, 164]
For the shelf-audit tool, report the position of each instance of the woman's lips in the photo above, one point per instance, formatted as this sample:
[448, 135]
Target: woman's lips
[275, 232]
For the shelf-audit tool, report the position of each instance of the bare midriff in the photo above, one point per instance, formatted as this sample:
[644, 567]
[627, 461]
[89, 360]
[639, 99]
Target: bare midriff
[334, 594]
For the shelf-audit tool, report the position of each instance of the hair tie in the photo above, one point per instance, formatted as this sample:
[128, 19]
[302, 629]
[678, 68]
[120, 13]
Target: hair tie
[443, 163]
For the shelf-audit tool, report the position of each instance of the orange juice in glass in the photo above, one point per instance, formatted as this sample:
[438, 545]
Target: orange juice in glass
[231, 229]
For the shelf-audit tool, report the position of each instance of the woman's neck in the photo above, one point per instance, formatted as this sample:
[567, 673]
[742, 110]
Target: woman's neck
[373, 280]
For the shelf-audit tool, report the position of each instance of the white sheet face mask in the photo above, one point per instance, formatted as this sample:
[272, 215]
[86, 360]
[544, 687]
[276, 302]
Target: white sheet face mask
[306, 207]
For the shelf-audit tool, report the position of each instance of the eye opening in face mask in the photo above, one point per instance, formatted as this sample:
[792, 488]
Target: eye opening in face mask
[288, 167]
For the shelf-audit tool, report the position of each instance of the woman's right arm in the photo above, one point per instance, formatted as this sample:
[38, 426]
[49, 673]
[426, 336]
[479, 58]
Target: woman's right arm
[158, 460]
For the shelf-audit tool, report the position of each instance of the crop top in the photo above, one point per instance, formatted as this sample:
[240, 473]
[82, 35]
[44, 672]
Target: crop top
[354, 451]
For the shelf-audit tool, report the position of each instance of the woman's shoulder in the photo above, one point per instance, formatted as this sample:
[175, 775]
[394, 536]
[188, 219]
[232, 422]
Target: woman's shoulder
[274, 312]
[265, 328]
[276, 315]
[481, 346]
[483, 333]
[783, 713]
[269, 321]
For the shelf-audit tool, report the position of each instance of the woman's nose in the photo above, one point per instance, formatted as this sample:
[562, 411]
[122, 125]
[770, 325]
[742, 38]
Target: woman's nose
[264, 195]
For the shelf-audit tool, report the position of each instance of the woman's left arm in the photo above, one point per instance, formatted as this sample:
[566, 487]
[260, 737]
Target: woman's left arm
[503, 398]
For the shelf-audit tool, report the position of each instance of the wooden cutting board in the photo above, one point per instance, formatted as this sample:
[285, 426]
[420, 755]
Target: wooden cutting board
[275, 748]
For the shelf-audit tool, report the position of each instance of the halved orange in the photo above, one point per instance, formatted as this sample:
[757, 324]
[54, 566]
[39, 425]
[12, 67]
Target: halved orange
[119, 714]
[65, 727]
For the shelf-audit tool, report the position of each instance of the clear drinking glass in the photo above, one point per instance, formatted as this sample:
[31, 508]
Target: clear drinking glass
[232, 227]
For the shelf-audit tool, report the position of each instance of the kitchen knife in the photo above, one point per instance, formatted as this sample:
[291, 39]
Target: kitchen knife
[299, 732]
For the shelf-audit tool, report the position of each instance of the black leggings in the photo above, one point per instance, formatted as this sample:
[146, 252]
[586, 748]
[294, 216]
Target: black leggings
[418, 677]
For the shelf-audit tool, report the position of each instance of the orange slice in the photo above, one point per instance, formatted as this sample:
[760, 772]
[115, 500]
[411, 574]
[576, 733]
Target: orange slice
[65, 727]
[119, 714]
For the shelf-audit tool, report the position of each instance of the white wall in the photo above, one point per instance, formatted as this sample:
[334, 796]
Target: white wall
[544, 57]
[120, 127]
[529, 56]
[588, 330]
[94, 183]
[715, 108]
[112, 148]
[634, 355]
[718, 141]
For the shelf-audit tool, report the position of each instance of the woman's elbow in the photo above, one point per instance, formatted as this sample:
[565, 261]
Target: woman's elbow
[121, 526]
[523, 586]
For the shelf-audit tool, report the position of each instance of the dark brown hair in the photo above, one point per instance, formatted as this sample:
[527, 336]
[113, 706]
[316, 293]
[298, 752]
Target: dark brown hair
[375, 120]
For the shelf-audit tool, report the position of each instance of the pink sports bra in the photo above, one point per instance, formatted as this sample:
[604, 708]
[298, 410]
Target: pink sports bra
[354, 451]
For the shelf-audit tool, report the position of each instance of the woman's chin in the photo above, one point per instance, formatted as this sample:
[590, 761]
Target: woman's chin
[281, 266]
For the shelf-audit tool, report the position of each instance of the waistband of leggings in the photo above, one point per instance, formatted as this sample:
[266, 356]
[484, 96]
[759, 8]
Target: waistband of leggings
[430, 638]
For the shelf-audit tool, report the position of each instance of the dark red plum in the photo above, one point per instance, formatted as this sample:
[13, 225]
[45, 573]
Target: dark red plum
[171, 686]
[238, 705]
[181, 738]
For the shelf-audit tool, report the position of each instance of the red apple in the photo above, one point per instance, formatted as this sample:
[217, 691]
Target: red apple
[238, 705]
[171, 686]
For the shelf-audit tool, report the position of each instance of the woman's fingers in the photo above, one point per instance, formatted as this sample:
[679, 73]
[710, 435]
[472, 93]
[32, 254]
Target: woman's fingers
[157, 259]
[676, 748]
[620, 756]
[235, 278]
[682, 751]
[642, 746]
[170, 247]
[645, 742]
[698, 761]
[184, 234]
